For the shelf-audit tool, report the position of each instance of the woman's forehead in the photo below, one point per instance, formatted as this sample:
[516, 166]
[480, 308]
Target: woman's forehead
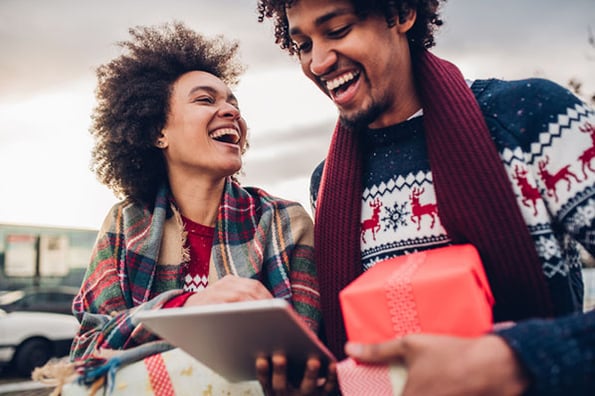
[198, 80]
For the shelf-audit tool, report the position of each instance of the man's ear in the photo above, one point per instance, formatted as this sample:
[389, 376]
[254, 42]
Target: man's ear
[406, 22]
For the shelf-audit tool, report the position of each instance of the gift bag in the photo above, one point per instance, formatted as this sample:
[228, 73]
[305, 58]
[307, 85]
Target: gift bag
[167, 374]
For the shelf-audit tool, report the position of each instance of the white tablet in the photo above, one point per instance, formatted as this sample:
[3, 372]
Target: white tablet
[228, 337]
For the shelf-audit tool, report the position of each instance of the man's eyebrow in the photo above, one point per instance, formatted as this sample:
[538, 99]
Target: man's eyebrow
[324, 18]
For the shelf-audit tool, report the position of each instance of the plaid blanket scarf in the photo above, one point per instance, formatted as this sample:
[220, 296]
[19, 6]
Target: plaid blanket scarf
[139, 256]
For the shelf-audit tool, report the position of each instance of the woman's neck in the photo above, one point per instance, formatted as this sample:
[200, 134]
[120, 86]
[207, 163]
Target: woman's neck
[198, 200]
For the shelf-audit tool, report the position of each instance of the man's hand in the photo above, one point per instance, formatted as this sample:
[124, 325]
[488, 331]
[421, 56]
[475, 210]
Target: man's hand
[274, 380]
[443, 365]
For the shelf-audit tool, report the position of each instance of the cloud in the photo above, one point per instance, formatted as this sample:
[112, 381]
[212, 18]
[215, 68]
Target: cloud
[291, 153]
[45, 44]
[520, 38]
[50, 50]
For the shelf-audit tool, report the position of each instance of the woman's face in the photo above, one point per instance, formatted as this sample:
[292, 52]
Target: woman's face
[204, 133]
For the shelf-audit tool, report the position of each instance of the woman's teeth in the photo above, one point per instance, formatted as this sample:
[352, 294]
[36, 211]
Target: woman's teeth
[226, 135]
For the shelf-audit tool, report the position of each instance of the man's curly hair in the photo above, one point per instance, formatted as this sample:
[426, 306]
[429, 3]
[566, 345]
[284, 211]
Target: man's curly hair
[133, 95]
[421, 35]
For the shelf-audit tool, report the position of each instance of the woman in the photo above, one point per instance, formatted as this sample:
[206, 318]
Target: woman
[169, 138]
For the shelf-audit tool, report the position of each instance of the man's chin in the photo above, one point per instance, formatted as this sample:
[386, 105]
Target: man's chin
[363, 118]
[357, 121]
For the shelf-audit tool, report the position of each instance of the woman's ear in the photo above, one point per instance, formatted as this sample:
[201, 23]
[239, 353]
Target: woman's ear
[406, 21]
[161, 141]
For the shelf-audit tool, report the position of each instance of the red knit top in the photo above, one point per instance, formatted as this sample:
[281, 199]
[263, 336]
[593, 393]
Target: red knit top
[199, 241]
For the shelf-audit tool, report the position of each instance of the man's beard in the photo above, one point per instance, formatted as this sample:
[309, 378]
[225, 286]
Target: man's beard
[363, 118]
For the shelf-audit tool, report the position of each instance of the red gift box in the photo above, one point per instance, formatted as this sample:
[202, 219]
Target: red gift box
[442, 291]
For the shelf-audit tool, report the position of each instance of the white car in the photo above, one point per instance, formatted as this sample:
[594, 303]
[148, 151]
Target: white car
[29, 339]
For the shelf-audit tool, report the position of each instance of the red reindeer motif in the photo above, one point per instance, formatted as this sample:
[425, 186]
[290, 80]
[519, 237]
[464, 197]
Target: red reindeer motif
[587, 155]
[373, 223]
[551, 180]
[590, 129]
[418, 210]
[529, 192]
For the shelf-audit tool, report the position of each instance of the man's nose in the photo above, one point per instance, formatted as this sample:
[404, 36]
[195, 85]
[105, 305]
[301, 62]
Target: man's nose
[322, 59]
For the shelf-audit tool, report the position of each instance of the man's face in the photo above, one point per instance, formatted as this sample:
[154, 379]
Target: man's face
[361, 64]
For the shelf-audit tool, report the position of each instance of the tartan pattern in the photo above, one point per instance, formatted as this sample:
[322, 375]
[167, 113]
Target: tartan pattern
[256, 236]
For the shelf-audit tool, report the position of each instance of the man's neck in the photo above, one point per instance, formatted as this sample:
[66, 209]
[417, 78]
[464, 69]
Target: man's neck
[396, 115]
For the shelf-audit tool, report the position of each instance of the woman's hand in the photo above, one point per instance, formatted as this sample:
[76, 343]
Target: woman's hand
[276, 380]
[230, 288]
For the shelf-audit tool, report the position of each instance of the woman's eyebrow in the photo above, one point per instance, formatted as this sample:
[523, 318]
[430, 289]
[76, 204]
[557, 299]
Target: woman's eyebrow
[231, 98]
[207, 88]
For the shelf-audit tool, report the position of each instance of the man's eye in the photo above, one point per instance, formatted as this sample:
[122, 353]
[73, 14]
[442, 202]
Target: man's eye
[340, 32]
[303, 47]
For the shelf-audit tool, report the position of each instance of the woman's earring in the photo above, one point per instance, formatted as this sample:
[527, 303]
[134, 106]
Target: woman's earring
[160, 144]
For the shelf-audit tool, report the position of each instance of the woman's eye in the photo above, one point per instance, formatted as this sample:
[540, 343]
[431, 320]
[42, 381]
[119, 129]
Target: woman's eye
[204, 99]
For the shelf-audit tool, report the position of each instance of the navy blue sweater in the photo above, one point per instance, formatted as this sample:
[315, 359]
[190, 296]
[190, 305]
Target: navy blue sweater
[559, 355]
[541, 131]
[546, 139]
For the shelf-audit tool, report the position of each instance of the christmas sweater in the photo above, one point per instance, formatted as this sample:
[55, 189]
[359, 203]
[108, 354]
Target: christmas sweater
[546, 139]
[557, 354]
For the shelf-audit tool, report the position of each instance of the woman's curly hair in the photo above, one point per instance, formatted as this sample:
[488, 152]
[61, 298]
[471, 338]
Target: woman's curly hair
[133, 95]
[421, 35]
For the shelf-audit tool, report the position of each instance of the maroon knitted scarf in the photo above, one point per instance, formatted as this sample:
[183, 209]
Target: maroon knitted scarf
[474, 196]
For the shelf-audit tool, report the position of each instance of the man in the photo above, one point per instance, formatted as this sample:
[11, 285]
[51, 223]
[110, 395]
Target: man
[420, 159]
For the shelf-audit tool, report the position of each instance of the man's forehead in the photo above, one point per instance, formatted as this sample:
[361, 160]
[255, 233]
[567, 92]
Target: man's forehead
[316, 12]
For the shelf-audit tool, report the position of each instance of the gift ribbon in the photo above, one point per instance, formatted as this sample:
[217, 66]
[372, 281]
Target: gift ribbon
[159, 376]
[400, 298]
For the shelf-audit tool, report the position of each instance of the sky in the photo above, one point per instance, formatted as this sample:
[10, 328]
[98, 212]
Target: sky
[51, 48]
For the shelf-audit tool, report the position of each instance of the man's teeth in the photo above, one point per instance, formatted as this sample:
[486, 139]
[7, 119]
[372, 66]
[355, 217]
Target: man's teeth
[337, 82]
[232, 135]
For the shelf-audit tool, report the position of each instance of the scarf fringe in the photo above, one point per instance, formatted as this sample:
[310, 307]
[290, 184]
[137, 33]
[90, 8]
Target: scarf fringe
[56, 373]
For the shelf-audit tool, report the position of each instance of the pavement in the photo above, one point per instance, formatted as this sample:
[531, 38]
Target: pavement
[12, 384]
[25, 388]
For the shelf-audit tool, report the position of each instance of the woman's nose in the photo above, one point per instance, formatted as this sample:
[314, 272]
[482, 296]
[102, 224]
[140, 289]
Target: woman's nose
[229, 110]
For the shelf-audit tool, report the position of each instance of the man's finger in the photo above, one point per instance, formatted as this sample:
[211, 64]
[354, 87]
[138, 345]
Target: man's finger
[331, 385]
[263, 373]
[279, 378]
[310, 380]
[385, 352]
